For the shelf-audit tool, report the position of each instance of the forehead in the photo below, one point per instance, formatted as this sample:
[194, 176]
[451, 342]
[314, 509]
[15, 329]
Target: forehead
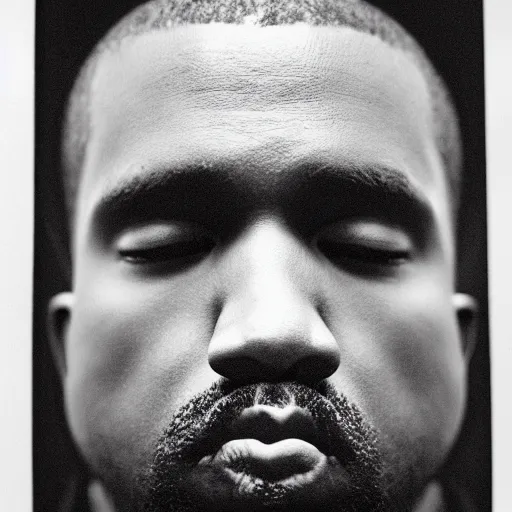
[262, 99]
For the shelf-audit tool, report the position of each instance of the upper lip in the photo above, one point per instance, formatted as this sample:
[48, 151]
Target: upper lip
[270, 424]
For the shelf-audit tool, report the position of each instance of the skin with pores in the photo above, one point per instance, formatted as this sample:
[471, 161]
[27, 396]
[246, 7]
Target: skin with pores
[244, 252]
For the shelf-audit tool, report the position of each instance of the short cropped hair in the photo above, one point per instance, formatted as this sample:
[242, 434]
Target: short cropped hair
[166, 14]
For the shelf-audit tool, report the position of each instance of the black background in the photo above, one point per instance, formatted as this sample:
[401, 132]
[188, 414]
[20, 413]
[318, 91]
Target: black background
[451, 31]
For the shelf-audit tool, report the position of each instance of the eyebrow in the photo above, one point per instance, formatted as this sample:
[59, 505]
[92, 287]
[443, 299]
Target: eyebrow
[147, 193]
[376, 187]
[378, 178]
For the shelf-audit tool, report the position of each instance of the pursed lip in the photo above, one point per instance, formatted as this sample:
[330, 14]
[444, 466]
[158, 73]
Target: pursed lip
[234, 418]
[272, 455]
[272, 442]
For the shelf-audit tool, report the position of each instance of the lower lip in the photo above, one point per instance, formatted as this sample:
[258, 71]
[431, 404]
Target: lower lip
[246, 474]
[293, 464]
[272, 462]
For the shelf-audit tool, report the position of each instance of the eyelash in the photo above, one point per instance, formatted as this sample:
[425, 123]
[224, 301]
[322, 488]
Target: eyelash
[178, 251]
[362, 254]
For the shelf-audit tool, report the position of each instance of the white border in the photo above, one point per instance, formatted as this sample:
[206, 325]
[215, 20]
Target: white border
[16, 214]
[498, 85]
[16, 251]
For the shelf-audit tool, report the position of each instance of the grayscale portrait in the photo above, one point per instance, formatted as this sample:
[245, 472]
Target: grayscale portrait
[260, 257]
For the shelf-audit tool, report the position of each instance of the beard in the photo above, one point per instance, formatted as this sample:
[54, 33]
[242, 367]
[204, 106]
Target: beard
[177, 478]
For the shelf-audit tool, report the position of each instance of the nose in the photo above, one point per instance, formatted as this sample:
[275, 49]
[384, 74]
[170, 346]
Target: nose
[270, 327]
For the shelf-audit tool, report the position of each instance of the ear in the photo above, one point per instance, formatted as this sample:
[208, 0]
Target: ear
[59, 314]
[466, 308]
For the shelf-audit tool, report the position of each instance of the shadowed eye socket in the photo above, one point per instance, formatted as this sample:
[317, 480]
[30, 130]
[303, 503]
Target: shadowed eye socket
[366, 246]
[164, 242]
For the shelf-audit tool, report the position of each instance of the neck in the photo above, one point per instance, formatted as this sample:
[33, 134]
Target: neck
[99, 500]
[431, 500]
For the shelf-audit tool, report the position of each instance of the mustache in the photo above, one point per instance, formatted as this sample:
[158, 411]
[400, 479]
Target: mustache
[201, 426]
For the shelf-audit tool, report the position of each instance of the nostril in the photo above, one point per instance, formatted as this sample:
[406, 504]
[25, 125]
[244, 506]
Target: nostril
[276, 367]
[244, 370]
[314, 368]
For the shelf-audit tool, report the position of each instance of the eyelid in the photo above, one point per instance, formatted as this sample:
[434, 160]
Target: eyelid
[157, 234]
[370, 233]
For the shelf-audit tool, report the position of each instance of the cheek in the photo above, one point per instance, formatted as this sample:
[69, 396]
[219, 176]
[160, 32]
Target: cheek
[404, 364]
[135, 353]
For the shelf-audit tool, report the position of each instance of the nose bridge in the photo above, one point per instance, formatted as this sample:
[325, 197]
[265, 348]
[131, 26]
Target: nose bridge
[269, 324]
[269, 270]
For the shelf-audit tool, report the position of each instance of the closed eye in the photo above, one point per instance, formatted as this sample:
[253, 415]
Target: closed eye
[186, 249]
[366, 246]
[362, 253]
[163, 242]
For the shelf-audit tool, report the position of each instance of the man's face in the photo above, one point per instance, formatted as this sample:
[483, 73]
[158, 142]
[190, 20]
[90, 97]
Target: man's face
[262, 205]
